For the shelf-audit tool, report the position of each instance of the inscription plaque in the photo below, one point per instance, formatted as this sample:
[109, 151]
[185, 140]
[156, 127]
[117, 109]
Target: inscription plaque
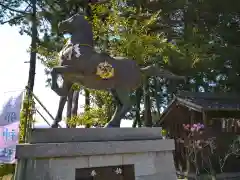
[122, 172]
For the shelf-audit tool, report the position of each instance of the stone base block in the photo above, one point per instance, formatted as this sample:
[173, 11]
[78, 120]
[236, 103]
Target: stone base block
[149, 159]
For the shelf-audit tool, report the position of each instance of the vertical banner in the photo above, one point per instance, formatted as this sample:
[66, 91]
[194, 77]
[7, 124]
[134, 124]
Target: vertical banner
[10, 108]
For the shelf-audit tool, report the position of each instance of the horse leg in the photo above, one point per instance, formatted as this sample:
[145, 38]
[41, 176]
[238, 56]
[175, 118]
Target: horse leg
[124, 98]
[61, 105]
[114, 122]
[118, 106]
[58, 117]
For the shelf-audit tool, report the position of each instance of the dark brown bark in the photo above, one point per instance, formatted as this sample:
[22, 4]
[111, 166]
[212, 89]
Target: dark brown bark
[87, 99]
[32, 69]
[147, 104]
[33, 55]
[137, 120]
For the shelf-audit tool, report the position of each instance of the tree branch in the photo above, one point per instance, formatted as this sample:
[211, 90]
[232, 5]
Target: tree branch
[99, 2]
[13, 19]
[11, 9]
[50, 5]
[29, 4]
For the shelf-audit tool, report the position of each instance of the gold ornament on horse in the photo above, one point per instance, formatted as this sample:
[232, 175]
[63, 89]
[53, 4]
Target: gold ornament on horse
[105, 70]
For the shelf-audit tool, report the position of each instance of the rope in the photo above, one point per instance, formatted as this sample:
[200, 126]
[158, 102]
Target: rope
[85, 45]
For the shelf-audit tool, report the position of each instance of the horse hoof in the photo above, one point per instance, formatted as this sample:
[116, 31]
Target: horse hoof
[108, 126]
[111, 126]
[54, 126]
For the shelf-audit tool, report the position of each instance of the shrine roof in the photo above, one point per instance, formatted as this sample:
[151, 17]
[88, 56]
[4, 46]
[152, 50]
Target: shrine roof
[203, 102]
[209, 101]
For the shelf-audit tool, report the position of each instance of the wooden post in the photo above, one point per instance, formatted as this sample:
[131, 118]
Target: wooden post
[204, 118]
[192, 116]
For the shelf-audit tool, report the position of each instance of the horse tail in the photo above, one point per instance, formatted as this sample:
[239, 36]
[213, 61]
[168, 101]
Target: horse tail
[153, 70]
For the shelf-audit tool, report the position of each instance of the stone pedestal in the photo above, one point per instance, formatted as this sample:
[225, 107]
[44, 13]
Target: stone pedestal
[60, 154]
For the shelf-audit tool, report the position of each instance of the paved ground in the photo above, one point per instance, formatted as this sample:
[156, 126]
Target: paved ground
[236, 178]
[218, 178]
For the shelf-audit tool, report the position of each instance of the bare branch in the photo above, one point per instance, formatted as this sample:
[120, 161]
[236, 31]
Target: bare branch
[13, 10]
[234, 150]
[29, 4]
[13, 19]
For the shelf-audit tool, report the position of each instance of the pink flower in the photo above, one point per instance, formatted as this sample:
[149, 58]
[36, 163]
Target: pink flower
[195, 125]
[186, 126]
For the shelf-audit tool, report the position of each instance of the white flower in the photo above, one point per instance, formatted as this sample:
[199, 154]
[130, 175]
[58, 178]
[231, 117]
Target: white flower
[118, 171]
[60, 81]
[93, 173]
[77, 50]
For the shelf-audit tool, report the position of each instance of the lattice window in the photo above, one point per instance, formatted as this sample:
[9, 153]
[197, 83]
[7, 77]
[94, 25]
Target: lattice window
[230, 125]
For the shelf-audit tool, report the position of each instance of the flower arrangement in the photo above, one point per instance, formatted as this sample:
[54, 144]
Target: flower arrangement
[195, 143]
[193, 128]
[194, 135]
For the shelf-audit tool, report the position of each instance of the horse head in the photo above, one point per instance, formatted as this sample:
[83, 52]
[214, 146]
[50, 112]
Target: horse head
[74, 24]
[79, 28]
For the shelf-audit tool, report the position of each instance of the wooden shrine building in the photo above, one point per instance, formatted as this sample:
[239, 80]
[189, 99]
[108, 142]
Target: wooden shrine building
[220, 114]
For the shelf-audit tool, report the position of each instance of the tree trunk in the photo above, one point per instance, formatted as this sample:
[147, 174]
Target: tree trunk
[87, 104]
[87, 99]
[69, 107]
[147, 104]
[33, 55]
[110, 111]
[157, 88]
[32, 69]
[137, 120]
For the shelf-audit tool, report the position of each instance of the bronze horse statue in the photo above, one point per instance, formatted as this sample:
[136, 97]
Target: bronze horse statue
[80, 63]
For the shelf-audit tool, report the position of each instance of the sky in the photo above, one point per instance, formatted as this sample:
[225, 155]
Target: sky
[14, 72]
